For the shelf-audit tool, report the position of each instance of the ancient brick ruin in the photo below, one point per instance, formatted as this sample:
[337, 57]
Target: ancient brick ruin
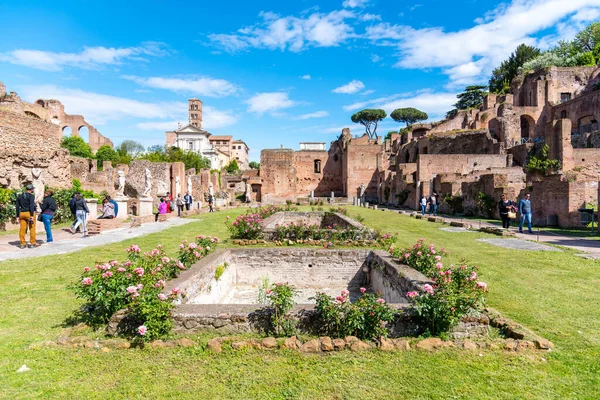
[478, 154]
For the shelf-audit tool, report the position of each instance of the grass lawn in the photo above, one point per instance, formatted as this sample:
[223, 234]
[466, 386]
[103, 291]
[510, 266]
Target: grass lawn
[555, 294]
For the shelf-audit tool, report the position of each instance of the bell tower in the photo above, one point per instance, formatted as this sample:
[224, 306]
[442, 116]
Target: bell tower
[195, 112]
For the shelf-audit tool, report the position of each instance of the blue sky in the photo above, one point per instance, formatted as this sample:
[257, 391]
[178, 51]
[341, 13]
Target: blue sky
[269, 72]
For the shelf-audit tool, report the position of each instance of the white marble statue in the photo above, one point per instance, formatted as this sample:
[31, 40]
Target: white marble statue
[211, 190]
[38, 186]
[189, 184]
[248, 192]
[148, 184]
[121, 184]
[362, 190]
[177, 186]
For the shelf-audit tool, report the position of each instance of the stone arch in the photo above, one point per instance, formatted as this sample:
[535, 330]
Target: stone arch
[527, 124]
[67, 131]
[563, 114]
[31, 114]
[494, 128]
[586, 120]
[84, 132]
[41, 103]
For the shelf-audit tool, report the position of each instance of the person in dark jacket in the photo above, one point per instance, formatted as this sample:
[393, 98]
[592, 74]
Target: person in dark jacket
[187, 199]
[26, 216]
[72, 207]
[48, 209]
[504, 207]
[525, 211]
[81, 211]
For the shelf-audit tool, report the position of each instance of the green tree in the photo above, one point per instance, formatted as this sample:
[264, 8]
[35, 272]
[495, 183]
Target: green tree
[408, 115]
[370, 119]
[509, 69]
[131, 147]
[471, 97]
[106, 153]
[232, 167]
[389, 135]
[77, 147]
[254, 165]
[587, 39]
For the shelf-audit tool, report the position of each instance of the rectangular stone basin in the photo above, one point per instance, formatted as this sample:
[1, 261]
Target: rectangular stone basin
[230, 304]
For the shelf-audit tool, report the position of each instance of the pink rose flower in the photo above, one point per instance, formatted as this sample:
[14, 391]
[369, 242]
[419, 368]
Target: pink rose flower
[107, 274]
[411, 295]
[406, 255]
[142, 330]
[86, 281]
[362, 289]
[131, 289]
[380, 301]
[482, 285]
[268, 292]
[207, 248]
[438, 258]
[165, 260]
[419, 253]
[121, 269]
[162, 297]
[182, 246]
[139, 271]
[175, 291]
[345, 292]
[439, 265]
[428, 288]
[86, 269]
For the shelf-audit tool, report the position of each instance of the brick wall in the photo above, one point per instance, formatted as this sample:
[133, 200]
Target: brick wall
[463, 164]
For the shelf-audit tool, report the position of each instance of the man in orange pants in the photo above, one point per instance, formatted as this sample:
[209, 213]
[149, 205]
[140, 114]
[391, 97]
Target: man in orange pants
[26, 216]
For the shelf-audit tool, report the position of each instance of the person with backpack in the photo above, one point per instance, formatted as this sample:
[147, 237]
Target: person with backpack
[72, 207]
[114, 204]
[179, 204]
[25, 208]
[81, 211]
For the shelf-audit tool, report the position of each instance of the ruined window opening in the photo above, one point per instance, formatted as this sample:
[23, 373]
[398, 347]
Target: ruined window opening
[317, 166]
[563, 114]
[41, 102]
[335, 157]
[190, 145]
[565, 97]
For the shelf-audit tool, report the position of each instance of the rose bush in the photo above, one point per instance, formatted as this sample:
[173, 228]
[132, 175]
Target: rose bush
[456, 290]
[137, 284]
[366, 318]
[280, 297]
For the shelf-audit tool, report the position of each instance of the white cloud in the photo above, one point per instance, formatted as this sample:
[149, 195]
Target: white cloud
[291, 33]
[375, 58]
[367, 92]
[88, 58]
[370, 17]
[305, 77]
[469, 55]
[201, 86]
[99, 108]
[318, 114]
[355, 3]
[212, 119]
[351, 87]
[271, 102]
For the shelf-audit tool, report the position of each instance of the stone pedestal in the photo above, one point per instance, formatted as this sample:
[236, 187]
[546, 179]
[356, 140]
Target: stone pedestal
[145, 206]
[93, 207]
[122, 203]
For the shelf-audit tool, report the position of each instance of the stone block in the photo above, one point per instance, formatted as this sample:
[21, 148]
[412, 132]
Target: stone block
[312, 346]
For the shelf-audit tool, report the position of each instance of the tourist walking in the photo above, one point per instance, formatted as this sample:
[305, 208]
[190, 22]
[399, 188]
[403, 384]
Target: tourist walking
[525, 211]
[210, 204]
[169, 200]
[26, 216]
[423, 204]
[187, 199]
[179, 204]
[108, 209]
[72, 207]
[507, 211]
[81, 211]
[433, 205]
[48, 209]
[162, 208]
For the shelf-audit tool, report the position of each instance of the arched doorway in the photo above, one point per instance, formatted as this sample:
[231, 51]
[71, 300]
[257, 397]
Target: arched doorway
[84, 133]
[527, 125]
[66, 131]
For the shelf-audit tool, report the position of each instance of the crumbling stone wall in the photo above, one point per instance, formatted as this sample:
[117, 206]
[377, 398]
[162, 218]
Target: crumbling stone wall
[26, 143]
[136, 179]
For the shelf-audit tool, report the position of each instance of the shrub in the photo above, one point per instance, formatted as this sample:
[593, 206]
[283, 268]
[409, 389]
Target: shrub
[8, 198]
[137, 284]
[364, 318]
[246, 226]
[387, 241]
[280, 298]
[455, 293]
[455, 203]
[220, 270]
[486, 204]
[339, 210]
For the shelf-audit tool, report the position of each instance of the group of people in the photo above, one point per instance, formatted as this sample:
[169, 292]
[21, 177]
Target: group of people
[27, 214]
[167, 204]
[508, 211]
[430, 203]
